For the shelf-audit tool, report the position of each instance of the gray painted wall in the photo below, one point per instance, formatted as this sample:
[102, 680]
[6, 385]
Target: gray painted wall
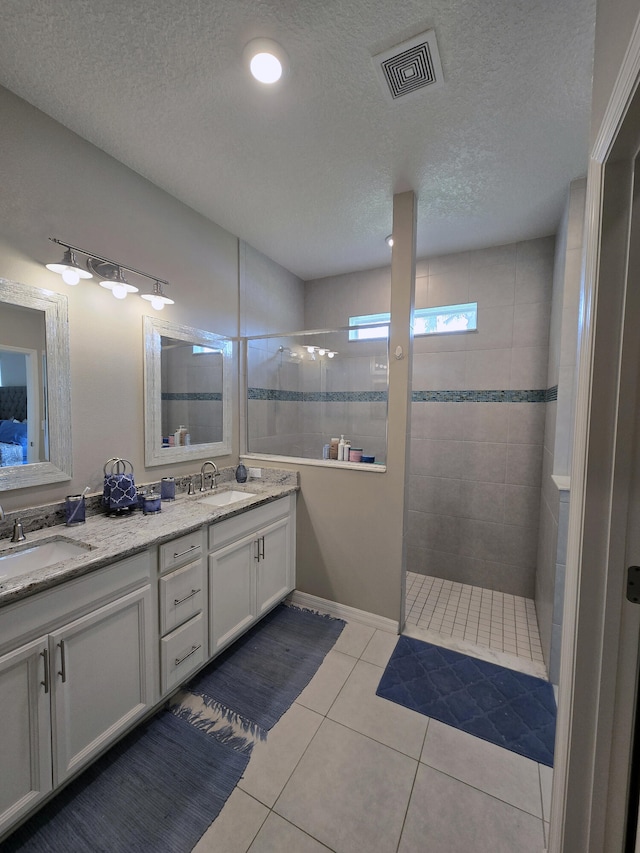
[56, 184]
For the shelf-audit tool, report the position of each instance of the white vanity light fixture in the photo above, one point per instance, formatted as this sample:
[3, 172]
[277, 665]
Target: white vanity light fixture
[389, 241]
[267, 61]
[69, 268]
[157, 298]
[110, 275]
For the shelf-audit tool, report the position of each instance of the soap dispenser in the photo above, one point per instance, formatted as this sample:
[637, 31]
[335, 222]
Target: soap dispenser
[241, 474]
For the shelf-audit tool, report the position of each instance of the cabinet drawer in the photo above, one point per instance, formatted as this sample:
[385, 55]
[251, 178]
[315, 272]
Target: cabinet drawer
[253, 519]
[179, 551]
[181, 596]
[181, 652]
[39, 613]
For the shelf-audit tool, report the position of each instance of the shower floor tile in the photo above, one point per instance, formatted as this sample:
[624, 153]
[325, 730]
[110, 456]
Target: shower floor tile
[484, 617]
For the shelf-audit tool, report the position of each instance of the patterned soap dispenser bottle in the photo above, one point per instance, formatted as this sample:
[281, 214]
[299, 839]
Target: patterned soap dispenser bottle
[241, 474]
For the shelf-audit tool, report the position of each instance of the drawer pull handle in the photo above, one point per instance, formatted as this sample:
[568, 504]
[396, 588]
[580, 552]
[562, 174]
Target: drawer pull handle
[63, 664]
[45, 654]
[193, 592]
[259, 549]
[194, 649]
[188, 551]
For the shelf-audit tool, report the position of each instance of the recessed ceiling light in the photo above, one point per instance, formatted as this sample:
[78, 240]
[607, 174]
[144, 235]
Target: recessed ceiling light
[267, 61]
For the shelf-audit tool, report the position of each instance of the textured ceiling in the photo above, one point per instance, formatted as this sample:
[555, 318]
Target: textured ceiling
[306, 171]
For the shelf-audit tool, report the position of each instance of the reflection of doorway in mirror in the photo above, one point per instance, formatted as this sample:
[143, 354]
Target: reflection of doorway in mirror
[19, 369]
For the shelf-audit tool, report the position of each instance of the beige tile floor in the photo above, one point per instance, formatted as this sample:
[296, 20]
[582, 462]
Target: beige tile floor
[349, 772]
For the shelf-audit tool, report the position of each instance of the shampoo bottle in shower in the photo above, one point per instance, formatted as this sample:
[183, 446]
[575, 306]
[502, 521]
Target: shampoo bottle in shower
[341, 446]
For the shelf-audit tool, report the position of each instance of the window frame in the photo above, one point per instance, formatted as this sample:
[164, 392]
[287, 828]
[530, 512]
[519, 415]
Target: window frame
[382, 320]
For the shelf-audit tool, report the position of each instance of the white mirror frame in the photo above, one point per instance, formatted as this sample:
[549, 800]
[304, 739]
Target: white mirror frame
[56, 319]
[154, 453]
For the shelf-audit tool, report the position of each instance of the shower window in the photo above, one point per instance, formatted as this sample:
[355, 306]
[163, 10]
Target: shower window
[426, 321]
[304, 389]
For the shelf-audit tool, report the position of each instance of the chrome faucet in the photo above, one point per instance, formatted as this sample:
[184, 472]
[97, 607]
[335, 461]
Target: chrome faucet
[203, 475]
[18, 532]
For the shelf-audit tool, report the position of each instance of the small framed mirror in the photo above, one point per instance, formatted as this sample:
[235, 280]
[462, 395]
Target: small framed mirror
[35, 387]
[187, 393]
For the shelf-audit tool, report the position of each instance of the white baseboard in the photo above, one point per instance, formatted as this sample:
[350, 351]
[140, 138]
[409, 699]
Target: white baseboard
[342, 611]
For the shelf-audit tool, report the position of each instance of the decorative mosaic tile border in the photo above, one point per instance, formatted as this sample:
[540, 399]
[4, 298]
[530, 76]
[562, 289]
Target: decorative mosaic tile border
[534, 396]
[202, 395]
[317, 396]
[538, 395]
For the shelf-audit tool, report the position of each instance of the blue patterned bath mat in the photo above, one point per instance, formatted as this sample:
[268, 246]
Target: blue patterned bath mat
[497, 704]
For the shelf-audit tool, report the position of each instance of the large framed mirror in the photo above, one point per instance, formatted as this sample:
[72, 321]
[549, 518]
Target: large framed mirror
[35, 387]
[187, 413]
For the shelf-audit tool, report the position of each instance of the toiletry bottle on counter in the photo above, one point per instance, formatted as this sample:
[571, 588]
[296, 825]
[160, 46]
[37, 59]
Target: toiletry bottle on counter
[341, 449]
[333, 448]
[181, 436]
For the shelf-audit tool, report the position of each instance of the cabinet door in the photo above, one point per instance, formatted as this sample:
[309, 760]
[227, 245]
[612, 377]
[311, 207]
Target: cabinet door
[273, 569]
[25, 733]
[231, 591]
[102, 681]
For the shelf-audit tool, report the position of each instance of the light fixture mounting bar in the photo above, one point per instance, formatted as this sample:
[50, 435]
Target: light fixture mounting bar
[109, 261]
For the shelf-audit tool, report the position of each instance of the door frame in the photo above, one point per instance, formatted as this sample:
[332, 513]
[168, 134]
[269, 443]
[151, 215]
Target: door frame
[598, 668]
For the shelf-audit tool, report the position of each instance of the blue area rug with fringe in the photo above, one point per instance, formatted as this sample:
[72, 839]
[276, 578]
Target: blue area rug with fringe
[508, 708]
[254, 683]
[159, 789]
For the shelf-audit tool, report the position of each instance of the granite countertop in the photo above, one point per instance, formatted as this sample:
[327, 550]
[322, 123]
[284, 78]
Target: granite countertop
[112, 538]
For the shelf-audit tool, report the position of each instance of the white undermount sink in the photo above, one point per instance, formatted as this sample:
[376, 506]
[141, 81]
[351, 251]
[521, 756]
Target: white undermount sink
[226, 498]
[31, 558]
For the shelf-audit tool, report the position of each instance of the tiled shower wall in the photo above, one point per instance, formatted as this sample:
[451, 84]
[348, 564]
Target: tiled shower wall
[476, 448]
[558, 439]
[476, 444]
[200, 410]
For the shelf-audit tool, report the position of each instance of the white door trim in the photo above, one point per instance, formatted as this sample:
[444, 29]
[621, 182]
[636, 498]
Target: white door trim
[576, 711]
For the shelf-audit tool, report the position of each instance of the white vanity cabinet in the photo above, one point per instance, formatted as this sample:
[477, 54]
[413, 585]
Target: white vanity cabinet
[77, 686]
[251, 568]
[182, 598]
[25, 735]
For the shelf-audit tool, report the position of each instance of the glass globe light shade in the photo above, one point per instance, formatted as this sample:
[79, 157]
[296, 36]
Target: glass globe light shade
[119, 291]
[70, 276]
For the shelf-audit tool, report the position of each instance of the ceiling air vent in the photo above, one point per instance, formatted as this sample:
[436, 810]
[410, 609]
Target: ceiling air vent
[410, 67]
